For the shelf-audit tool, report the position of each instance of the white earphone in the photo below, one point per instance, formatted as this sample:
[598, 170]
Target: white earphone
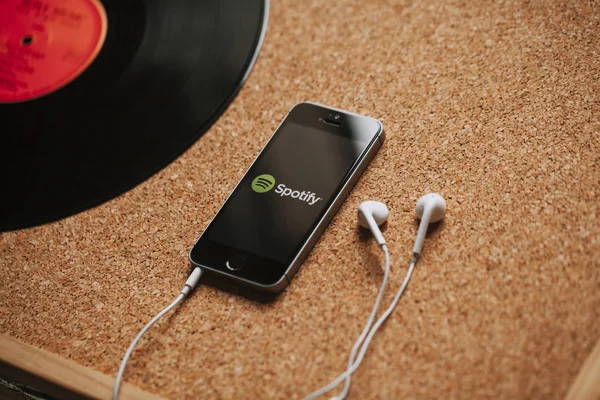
[430, 208]
[371, 215]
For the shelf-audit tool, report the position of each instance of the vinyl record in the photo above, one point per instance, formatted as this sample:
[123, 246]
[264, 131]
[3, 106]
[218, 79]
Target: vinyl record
[97, 96]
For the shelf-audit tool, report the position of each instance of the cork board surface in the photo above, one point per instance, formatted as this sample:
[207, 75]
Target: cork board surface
[495, 105]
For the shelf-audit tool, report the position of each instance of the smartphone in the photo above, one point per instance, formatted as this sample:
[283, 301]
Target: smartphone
[279, 209]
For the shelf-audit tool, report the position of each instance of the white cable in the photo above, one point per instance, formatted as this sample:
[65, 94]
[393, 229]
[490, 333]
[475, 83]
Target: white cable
[190, 284]
[365, 345]
[372, 317]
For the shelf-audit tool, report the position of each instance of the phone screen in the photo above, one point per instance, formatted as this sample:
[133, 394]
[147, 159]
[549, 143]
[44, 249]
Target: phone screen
[282, 197]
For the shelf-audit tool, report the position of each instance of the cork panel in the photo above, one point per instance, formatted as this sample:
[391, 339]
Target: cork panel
[495, 105]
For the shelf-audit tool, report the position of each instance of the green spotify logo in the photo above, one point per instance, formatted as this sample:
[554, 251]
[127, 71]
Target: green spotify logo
[263, 183]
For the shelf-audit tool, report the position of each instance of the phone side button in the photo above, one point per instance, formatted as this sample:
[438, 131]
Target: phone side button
[235, 263]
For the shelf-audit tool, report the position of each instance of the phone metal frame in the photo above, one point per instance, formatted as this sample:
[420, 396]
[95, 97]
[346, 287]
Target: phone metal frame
[361, 165]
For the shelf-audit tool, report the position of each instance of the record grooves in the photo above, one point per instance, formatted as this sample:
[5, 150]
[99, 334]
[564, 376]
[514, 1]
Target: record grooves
[165, 72]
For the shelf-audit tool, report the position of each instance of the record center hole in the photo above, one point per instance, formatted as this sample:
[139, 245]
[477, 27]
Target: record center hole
[26, 40]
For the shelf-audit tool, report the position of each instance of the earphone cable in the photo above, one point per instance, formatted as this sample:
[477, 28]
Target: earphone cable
[372, 317]
[191, 282]
[369, 324]
[365, 345]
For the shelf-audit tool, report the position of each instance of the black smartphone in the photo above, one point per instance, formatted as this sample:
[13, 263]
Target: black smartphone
[277, 212]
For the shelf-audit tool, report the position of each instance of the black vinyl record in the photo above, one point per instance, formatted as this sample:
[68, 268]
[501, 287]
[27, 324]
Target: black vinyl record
[165, 72]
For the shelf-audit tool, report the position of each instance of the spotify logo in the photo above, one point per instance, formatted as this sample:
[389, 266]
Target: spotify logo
[263, 183]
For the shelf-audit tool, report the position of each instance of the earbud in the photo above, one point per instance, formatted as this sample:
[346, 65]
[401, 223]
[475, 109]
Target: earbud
[371, 214]
[430, 208]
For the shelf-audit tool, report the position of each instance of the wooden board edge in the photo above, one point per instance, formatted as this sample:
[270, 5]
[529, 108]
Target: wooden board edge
[66, 374]
[587, 383]
[87, 382]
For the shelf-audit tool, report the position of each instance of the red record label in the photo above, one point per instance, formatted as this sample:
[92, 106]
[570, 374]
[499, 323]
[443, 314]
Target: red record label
[45, 44]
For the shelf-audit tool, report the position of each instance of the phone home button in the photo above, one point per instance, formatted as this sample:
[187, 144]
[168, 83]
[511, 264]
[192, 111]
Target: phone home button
[235, 262]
